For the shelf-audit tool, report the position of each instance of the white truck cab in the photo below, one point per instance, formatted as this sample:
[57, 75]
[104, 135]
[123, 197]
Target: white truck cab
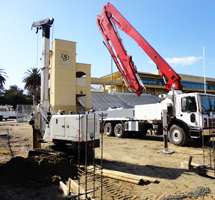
[197, 111]
[7, 112]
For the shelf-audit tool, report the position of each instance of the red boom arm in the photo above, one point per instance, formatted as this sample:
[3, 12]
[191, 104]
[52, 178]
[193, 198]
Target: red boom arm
[106, 23]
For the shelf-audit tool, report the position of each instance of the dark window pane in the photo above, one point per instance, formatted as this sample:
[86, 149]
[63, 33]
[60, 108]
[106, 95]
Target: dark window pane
[150, 81]
[195, 85]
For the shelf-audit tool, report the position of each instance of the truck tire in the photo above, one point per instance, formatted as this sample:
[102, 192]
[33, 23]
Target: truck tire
[108, 130]
[178, 136]
[1, 117]
[119, 131]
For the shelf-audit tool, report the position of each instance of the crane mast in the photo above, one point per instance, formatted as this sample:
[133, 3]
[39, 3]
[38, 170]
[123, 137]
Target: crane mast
[108, 20]
[44, 101]
[45, 26]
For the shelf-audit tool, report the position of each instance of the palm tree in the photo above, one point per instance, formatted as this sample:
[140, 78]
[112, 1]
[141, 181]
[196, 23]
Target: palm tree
[3, 76]
[32, 81]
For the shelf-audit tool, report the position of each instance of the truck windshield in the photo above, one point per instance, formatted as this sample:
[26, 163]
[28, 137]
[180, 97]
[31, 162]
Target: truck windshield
[207, 104]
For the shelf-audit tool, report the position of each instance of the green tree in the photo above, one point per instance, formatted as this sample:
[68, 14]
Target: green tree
[32, 81]
[14, 96]
[3, 76]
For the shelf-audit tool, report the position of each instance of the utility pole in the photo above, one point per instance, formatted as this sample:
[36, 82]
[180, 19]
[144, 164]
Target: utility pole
[111, 75]
[204, 68]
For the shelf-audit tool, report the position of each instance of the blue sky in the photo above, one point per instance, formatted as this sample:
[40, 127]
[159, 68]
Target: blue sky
[176, 29]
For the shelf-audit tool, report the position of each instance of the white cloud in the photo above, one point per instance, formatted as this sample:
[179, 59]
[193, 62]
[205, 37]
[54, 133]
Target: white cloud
[184, 60]
[151, 62]
[212, 62]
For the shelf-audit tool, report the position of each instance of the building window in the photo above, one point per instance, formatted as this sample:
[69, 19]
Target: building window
[210, 87]
[195, 85]
[160, 82]
[150, 81]
[80, 74]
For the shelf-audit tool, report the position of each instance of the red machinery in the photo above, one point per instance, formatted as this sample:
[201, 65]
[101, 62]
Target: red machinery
[106, 22]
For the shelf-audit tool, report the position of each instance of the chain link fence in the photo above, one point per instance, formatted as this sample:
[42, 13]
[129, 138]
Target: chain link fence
[23, 112]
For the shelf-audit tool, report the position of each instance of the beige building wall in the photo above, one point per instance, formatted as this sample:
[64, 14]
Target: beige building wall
[66, 77]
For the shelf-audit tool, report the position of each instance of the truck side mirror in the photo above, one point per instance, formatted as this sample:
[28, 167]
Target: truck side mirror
[183, 104]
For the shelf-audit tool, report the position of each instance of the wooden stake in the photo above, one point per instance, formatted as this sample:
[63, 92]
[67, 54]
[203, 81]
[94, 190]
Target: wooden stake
[64, 188]
[201, 169]
[74, 189]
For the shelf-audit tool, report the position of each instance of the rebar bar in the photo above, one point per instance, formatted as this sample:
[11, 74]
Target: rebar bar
[208, 151]
[91, 175]
[94, 153]
[86, 156]
[79, 153]
[102, 156]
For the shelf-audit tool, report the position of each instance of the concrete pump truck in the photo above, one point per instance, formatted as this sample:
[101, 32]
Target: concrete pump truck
[189, 115]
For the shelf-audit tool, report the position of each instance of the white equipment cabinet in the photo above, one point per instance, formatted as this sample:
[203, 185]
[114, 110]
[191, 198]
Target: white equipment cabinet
[69, 128]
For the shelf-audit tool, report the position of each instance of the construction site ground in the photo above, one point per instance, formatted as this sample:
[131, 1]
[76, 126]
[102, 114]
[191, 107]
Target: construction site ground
[38, 178]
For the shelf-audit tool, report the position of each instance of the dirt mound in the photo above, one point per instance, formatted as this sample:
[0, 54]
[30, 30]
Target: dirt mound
[37, 171]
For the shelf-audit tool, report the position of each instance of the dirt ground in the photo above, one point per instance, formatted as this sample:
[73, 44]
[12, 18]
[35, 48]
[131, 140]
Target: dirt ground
[131, 155]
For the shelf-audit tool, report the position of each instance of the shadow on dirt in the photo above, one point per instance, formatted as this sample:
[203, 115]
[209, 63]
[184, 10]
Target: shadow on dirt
[147, 170]
[191, 142]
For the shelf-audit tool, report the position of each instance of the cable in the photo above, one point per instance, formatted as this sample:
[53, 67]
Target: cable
[52, 32]
[37, 53]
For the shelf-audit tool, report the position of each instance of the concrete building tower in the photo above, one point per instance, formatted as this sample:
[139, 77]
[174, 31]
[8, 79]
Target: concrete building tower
[68, 79]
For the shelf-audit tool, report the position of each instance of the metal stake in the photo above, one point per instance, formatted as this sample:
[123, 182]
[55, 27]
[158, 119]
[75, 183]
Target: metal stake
[86, 156]
[94, 164]
[79, 154]
[102, 158]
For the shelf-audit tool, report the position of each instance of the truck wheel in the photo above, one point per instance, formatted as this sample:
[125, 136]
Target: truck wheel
[119, 131]
[108, 129]
[177, 135]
